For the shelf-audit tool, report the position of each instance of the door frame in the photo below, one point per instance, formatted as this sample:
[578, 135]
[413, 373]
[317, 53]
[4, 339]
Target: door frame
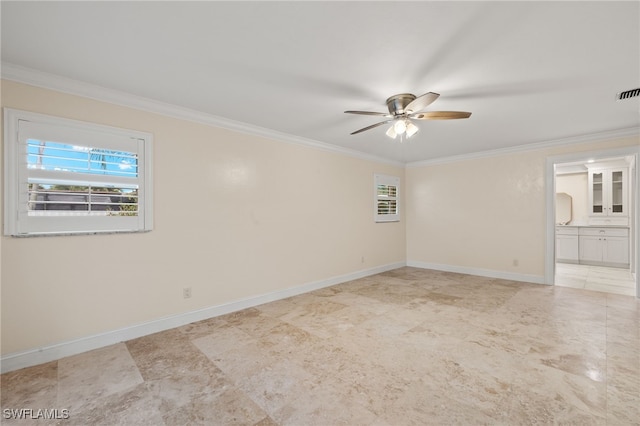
[550, 191]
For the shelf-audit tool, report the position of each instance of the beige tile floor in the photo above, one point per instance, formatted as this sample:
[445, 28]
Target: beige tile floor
[406, 347]
[596, 278]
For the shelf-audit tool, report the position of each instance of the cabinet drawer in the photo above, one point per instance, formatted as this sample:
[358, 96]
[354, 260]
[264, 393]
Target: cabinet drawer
[566, 230]
[605, 232]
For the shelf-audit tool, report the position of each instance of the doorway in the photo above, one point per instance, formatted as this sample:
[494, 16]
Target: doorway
[607, 259]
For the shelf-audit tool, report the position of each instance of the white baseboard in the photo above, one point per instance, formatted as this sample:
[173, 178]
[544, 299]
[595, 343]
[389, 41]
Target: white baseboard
[536, 279]
[56, 351]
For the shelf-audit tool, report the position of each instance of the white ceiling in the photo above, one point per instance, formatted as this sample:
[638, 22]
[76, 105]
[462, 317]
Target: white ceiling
[530, 72]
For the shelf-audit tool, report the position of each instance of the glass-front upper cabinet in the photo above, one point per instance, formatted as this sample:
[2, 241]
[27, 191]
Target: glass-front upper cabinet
[608, 196]
[618, 204]
[597, 206]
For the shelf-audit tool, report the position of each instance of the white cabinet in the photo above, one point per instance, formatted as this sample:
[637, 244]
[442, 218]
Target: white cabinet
[567, 244]
[604, 246]
[608, 195]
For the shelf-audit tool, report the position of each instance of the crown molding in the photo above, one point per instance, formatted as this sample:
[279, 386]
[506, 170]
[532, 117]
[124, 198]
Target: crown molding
[58, 83]
[573, 140]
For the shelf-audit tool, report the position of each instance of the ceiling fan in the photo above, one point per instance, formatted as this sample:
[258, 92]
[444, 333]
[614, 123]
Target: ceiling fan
[406, 107]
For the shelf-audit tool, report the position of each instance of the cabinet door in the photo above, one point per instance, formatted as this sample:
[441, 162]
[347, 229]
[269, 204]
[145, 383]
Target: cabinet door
[567, 248]
[590, 248]
[616, 181]
[597, 193]
[616, 250]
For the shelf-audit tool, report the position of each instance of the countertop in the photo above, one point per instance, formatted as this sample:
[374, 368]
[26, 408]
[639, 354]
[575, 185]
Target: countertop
[592, 226]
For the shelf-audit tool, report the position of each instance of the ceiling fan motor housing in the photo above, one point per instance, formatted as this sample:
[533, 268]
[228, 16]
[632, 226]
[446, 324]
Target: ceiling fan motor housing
[398, 103]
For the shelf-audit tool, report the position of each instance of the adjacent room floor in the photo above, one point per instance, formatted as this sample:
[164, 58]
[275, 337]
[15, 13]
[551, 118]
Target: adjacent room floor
[409, 346]
[597, 278]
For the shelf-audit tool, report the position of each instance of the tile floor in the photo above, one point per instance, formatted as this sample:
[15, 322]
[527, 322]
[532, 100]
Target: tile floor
[406, 347]
[597, 278]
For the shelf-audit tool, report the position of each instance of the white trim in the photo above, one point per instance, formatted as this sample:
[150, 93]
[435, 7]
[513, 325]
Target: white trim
[550, 199]
[574, 140]
[44, 80]
[28, 358]
[490, 273]
[550, 217]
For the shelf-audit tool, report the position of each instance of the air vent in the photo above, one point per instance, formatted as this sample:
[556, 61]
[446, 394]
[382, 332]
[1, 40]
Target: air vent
[628, 94]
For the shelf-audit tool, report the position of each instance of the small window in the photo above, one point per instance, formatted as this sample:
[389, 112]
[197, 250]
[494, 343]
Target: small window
[65, 177]
[386, 203]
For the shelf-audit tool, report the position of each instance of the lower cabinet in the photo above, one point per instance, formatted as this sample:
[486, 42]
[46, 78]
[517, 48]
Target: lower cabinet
[593, 246]
[604, 246]
[567, 245]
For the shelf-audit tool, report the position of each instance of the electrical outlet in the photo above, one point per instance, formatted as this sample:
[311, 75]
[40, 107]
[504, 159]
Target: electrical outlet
[186, 292]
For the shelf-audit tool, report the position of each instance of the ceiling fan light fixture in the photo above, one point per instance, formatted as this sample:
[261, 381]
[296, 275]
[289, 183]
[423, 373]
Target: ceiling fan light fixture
[400, 126]
[412, 129]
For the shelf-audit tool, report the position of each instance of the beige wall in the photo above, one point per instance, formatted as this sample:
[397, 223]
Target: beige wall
[254, 216]
[485, 213]
[260, 222]
[576, 185]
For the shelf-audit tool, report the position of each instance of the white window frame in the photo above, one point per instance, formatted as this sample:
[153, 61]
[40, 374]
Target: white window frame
[390, 181]
[19, 126]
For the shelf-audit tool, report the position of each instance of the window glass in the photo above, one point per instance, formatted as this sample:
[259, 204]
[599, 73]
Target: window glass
[386, 198]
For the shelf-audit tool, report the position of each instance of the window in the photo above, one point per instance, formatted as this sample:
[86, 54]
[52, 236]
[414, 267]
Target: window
[386, 198]
[64, 177]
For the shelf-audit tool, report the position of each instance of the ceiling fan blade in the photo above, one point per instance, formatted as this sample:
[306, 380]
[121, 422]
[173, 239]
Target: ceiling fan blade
[441, 115]
[371, 127]
[382, 114]
[421, 102]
